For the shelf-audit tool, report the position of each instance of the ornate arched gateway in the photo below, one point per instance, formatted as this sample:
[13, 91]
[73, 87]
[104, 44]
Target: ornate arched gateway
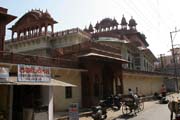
[33, 23]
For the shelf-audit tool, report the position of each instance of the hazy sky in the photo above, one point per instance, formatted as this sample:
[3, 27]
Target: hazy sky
[155, 18]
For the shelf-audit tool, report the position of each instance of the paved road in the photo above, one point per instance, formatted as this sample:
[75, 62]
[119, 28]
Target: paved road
[153, 111]
[157, 112]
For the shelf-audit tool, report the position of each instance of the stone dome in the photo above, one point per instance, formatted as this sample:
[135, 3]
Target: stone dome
[132, 22]
[107, 22]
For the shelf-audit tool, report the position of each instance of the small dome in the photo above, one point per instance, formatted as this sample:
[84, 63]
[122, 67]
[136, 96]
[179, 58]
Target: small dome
[97, 26]
[114, 22]
[91, 28]
[85, 29]
[132, 22]
[123, 21]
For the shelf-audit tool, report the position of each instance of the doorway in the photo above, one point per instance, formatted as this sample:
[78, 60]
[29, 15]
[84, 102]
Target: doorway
[25, 98]
[107, 81]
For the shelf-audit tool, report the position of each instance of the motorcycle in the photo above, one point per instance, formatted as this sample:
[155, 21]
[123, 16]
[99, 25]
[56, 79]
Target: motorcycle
[113, 102]
[99, 112]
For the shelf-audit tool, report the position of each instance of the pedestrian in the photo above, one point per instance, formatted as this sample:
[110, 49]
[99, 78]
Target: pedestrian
[163, 90]
[130, 92]
[134, 96]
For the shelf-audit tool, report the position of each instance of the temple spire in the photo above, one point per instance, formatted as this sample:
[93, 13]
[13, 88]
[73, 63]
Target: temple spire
[123, 23]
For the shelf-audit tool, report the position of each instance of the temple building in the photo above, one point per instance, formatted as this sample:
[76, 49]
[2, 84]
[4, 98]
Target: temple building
[133, 44]
[76, 45]
[103, 59]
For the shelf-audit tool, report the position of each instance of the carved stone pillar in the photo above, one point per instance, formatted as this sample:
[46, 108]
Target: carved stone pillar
[29, 33]
[24, 33]
[40, 30]
[18, 35]
[12, 36]
[52, 28]
[46, 29]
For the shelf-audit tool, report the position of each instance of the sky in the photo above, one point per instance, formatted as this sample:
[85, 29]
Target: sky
[155, 18]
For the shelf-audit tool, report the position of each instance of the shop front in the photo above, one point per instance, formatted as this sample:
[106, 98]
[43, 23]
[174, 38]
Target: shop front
[29, 94]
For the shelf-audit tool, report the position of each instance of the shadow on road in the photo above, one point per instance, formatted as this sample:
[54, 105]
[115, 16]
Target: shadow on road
[126, 117]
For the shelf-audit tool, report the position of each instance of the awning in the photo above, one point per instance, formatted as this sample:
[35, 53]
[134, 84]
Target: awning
[103, 56]
[13, 81]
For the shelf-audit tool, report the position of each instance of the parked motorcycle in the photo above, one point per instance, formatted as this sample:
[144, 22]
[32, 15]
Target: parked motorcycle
[114, 102]
[99, 112]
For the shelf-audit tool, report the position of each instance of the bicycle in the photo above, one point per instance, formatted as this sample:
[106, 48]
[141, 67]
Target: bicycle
[130, 105]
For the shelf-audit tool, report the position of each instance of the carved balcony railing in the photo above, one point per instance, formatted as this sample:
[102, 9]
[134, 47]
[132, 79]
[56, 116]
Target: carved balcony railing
[55, 34]
[35, 36]
[13, 58]
[70, 31]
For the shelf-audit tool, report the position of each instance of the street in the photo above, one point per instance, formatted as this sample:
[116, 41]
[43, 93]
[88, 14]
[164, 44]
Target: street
[156, 112]
[152, 111]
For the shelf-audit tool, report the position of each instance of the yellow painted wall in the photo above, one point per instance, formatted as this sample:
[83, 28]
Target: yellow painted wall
[147, 84]
[70, 76]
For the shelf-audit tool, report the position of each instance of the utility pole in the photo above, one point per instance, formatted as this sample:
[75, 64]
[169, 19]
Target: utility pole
[174, 59]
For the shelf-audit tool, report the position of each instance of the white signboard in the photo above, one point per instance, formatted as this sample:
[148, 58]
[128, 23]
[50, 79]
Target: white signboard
[73, 111]
[31, 73]
[4, 74]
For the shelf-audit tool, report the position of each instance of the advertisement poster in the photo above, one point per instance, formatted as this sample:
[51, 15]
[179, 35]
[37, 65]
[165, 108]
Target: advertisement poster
[31, 73]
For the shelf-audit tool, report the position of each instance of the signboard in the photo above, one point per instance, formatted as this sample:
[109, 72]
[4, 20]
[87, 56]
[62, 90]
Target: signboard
[4, 74]
[31, 73]
[73, 111]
